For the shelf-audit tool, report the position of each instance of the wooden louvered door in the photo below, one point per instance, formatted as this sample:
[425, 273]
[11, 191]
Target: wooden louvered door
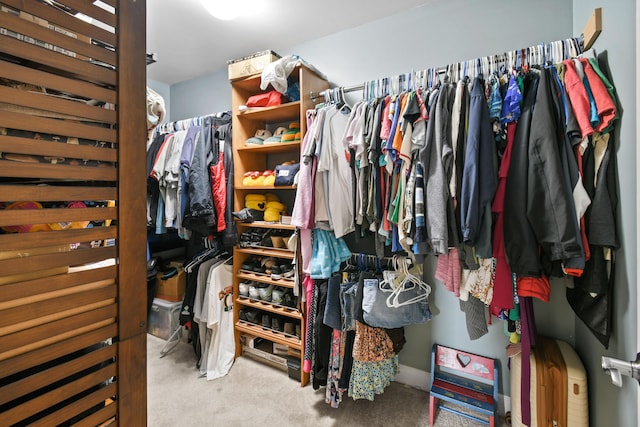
[72, 212]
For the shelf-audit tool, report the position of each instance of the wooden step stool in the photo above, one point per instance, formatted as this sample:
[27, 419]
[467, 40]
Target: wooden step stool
[465, 379]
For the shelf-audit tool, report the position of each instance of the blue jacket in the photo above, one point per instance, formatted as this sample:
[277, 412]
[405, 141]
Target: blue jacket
[480, 175]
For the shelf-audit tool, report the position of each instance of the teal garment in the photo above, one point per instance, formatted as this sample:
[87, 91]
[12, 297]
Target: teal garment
[495, 100]
[610, 88]
[328, 253]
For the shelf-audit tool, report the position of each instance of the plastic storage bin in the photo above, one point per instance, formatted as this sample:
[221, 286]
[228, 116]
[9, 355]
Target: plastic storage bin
[164, 318]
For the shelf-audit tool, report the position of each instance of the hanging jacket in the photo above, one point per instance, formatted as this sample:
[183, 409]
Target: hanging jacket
[201, 214]
[521, 247]
[480, 176]
[552, 181]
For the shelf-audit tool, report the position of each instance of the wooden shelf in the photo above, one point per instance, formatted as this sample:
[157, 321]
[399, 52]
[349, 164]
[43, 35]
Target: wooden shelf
[263, 250]
[264, 188]
[265, 224]
[263, 278]
[277, 253]
[248, 158]
[277, 113]
[273, 308]
[280, 147]
[270, 334]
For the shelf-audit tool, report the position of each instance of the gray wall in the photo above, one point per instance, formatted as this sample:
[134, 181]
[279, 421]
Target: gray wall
[610, 405]
[164, 90]
[449, 31]
[201, 96]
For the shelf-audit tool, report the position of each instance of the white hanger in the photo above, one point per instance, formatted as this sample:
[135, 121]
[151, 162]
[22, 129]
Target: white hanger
[409, 282]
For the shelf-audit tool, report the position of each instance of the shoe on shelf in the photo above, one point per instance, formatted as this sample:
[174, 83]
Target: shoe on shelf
[253, 291]
[277, 324]
[266, 320]
[252, 315]
[289, 327]
[242, 314]
[251, 265]
[276, 272]
[277, 296]
[289, 300]
[265, 293]
[243, 288]
[287, 271]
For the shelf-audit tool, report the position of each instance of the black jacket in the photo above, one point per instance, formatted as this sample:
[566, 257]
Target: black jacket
[521, 247]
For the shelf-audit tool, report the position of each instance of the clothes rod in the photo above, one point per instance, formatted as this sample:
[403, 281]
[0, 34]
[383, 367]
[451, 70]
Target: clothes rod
[354, 88]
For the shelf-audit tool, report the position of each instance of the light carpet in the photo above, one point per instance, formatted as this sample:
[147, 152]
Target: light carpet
[256, 394]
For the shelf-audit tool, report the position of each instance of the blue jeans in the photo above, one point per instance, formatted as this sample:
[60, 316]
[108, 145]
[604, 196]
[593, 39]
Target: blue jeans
[376, 313]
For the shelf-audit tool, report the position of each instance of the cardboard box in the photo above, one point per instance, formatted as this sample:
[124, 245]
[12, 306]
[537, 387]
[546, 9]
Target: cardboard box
[280, 349]
[250, 65]
[172, 289]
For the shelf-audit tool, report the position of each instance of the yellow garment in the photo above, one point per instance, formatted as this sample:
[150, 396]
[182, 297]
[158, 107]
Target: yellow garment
[273, 211]
[271, 197]
[269, 180]
[255, 201]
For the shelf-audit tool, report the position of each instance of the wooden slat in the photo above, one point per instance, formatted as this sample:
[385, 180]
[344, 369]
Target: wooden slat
[58, 327]
[54, 193]
[75, 87]
[44, 285]
[77, 407]
[36, 357]
[48, 216]
[84, 173]
[62, 19]
[52, 103]
[89, 9]
[40, 403]
[112, 3]
[14, 144]
[43, 262]
[33, 298]
[53, 238]
[54, 317]
[49, 376]
[76, 67]
[99, 417]
[42, 33]
[56, 127]
[39, 309]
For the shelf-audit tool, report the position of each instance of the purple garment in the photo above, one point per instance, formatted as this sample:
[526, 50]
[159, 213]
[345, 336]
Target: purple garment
[528, 341]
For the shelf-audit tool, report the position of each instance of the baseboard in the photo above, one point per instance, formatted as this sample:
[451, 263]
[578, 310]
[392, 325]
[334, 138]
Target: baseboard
[420, 379]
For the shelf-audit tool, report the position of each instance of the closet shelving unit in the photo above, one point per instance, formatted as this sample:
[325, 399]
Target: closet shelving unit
[260, 158]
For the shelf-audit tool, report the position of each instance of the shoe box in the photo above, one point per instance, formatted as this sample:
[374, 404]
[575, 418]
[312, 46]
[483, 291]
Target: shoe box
[164, 318]
[171, 284]
[293, 367]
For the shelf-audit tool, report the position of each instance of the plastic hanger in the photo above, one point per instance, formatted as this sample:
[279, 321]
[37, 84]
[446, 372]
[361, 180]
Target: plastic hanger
[409, 282]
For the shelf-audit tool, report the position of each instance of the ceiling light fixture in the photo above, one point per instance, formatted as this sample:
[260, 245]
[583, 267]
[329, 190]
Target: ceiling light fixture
[225, 10]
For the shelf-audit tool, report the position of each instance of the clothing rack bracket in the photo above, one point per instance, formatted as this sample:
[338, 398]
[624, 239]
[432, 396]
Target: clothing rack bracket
[593, 28]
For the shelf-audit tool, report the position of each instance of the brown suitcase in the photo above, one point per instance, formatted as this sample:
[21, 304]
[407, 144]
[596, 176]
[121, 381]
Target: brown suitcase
[558, 391]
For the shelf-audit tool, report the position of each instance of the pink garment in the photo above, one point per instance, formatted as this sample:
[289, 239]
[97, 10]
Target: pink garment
[307, 284]
[604, 104]
[578, 97]
[449, 270]
[219, 192]
[385, 128]
[303, 208]
[306, 249]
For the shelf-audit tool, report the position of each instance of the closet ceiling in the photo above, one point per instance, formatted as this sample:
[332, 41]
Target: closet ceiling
[188, 42]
